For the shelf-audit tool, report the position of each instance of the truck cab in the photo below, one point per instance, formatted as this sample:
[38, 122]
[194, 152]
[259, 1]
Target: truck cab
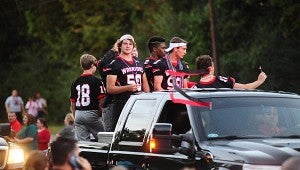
[165, 130]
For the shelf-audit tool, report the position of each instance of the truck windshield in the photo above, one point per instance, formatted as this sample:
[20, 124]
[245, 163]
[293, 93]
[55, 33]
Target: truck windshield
[248, 117]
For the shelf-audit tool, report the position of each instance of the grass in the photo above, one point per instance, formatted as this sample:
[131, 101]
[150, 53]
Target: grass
[55, 128]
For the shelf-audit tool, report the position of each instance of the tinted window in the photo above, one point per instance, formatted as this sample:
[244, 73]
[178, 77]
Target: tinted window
[249, 116]
[139, 120]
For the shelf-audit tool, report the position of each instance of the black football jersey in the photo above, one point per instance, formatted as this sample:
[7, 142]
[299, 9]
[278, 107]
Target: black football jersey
[160, 67]
[104, 61]
[148, 70]
[126, 72]
[217, 82]
[86, 91]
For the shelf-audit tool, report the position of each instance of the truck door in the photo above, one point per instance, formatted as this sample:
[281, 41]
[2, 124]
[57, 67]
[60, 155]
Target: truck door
[175, 114]
[128, 147]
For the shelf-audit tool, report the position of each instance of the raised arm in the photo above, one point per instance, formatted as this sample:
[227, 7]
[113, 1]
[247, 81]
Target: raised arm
[250, 86]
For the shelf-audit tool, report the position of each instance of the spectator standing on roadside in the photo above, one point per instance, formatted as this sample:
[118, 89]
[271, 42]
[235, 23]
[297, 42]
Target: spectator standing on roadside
[172, 61]
[205, 65]
[43, 134]
[14, 103]
[33, 106]
[125, 76]
[87, 91]
[43, 102]
[14, 123]
[157, 46]
[69, 127]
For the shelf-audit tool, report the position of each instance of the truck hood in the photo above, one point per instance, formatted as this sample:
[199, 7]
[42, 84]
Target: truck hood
[271, 151]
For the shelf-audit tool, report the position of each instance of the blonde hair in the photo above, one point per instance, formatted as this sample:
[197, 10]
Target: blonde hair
[70, 118]
[87, 60]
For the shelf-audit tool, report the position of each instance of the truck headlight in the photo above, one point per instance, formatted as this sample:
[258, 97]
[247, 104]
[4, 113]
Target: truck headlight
[15, 154]
[260, 167]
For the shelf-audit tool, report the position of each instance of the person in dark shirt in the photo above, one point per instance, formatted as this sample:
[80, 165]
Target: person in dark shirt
[125, 76]
[157, 46]
[87, 91]
[172, 61]
[205, 65]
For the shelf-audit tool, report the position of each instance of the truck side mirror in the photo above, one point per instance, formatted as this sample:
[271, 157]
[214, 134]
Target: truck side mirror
[160, 144]
[5, 129]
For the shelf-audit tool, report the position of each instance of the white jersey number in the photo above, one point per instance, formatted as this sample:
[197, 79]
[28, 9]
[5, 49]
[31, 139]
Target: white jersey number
[170, 82]
[83, 93]
[135, 79]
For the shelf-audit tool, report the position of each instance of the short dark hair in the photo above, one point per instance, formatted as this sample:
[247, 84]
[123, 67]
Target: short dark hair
[43, 121]
[202, 63]
[59, 150]
[154, 41]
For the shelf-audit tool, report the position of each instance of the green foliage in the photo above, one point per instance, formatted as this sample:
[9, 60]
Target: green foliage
[43, 40]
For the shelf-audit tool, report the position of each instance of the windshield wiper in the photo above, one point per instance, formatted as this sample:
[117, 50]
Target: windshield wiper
[233, 137]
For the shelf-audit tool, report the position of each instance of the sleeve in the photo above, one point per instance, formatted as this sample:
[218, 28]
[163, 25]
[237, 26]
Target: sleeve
[7, 101]
[21, 101]
[32, 131]
[27, 105]
[45, 137]
[102, 90]
[185, 69]
[73, 93]
[111, 69]
[106, 59]
[228, 82]
[158, 69]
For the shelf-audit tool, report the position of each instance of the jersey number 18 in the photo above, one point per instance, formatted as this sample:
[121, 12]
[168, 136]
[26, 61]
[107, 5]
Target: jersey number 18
[83, 93]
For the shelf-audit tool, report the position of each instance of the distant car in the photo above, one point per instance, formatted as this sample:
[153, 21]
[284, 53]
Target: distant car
[203, 129]
[11, 155]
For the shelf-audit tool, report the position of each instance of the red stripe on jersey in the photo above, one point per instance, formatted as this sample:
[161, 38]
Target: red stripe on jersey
[175, 64]
[127, 61]
[85, 74]
[155, 70]
[190, 84]
[72, 100]
[232, 79]
[105, 69]
[101, 96]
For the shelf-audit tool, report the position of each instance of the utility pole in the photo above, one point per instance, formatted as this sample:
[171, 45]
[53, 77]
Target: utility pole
[212, 34]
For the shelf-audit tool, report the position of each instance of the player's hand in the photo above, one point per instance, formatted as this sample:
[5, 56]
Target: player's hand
[262, 77]
[84, 163]
[134, 87]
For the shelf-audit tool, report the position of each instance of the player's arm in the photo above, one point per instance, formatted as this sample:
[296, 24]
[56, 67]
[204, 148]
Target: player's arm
[260, 80]
[6, 107]
[113, 89]
[73, 107]
[157, 82]
[146, 87]
[185, 83]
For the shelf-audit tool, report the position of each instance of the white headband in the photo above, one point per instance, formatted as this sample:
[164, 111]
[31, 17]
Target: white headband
[127, 36]
[173, 45]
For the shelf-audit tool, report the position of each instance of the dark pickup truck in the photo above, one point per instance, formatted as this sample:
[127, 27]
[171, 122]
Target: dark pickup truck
[166, 130]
